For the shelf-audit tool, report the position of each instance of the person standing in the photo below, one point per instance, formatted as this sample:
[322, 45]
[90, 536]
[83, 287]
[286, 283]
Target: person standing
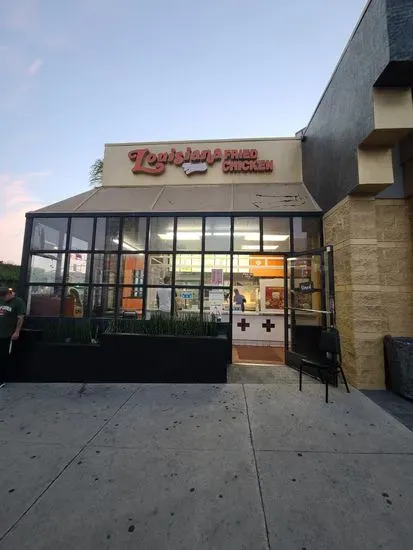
[12, 311]
[239, 299]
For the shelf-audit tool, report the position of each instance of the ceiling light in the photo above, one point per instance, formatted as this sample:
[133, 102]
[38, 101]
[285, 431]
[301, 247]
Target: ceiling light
[250, 247]
[125, 245]
[256, 237]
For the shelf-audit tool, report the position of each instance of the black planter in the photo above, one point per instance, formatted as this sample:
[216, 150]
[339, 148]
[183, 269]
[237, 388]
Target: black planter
[123, 358]
[180, 359]
[57, 362]
[399, 365]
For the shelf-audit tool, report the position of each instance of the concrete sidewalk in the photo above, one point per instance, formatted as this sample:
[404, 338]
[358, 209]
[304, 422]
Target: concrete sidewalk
[168, 467]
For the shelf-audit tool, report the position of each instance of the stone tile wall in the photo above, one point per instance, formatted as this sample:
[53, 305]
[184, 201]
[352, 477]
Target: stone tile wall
[373, 265]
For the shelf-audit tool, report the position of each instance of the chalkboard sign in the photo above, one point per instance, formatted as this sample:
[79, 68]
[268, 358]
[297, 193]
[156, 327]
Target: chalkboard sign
[307, 287]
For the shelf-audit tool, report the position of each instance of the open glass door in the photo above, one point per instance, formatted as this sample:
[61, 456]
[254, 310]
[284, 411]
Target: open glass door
[310, 305]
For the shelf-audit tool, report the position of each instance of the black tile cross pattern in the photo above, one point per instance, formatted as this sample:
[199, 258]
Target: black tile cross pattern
[243, 324]
[268, 325]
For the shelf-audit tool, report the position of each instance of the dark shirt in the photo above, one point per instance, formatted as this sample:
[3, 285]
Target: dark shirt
[9, 312]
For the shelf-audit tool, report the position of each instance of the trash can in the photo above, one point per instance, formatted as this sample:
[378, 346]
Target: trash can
[399, 365]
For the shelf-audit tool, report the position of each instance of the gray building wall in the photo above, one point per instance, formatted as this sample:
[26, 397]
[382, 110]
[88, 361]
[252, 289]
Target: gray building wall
[380, 52]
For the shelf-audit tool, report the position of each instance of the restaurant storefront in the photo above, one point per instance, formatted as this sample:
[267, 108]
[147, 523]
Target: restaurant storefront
[222, 230]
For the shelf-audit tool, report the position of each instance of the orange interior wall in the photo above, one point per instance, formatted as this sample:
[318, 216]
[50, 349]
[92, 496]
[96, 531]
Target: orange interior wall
[131, 263]
[267, 266]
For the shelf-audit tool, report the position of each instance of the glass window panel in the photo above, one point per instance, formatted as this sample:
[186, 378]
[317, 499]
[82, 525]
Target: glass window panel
[130, 301]
[245, 285]
[75, 301]
[132, 269]
[44, 301]
[217, 234]
[79, 268]
[159, 269]
[105, 268]
[46, 268]
[259, 279]
[161, 234]
[134, 233]
[189, 234]
[188, 269]
[307, 234]
[49, 234]
[187, 301]
[217, 269]
[247, 234]
[158, 300]
[103, 301]
[107, 234]
[276, 234]
[216, 301]
[81, 231]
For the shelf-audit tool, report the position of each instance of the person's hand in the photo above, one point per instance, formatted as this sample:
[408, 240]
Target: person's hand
[15, 336]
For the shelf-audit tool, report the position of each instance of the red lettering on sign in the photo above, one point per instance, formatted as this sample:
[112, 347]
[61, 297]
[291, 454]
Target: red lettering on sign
[138, 156]
[234, 160]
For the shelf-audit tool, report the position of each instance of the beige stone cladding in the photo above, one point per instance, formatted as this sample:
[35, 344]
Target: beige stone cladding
[373, 265]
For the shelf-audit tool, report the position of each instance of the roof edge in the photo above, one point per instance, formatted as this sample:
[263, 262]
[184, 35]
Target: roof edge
[188, 141]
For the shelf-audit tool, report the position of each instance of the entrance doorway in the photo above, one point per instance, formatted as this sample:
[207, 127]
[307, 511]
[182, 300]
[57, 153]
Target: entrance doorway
[258, 309]
[310, 307]
[280, 305]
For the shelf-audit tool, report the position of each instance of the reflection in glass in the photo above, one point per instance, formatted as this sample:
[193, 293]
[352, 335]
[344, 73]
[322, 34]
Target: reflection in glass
[44, 301]
[49, 234]
[107, 234]
[188, 269]
[79, 268]
[81, 232]
[307, 234]
[103, 301]
[159, 300]
[132, 269]
[46, 268]
[134, 232]
[217, 234]
[187, 300]
[246, 234]
[75, 301]
[217, 269]
[130, 301]
[159, 269]
[276, 234]
[189, 234]
[104, 268]
[161, 234]
[216, 301]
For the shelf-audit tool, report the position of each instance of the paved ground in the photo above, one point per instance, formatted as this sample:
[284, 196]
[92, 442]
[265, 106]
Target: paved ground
[264, 374]
[201, 467]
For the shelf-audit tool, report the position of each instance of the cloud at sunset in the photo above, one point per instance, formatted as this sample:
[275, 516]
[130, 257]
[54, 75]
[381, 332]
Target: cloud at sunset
[17, 199]
[34, 67]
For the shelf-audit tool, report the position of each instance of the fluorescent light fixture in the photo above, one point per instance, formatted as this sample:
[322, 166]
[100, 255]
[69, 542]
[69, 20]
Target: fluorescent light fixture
[256, 237]
[125, 245]
[250, 247]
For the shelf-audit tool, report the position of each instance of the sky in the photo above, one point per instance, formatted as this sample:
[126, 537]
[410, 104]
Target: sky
[76, 75]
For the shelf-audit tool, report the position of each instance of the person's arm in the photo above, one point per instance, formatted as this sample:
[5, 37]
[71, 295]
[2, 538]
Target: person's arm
[21, 310]
[19, 324]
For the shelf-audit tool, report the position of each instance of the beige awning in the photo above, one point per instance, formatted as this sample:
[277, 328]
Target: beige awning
[268, 197]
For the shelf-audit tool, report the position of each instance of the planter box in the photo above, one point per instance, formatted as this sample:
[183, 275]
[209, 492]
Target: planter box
[123, 358]
[166, 359]
[399, 365]
[57, 362]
